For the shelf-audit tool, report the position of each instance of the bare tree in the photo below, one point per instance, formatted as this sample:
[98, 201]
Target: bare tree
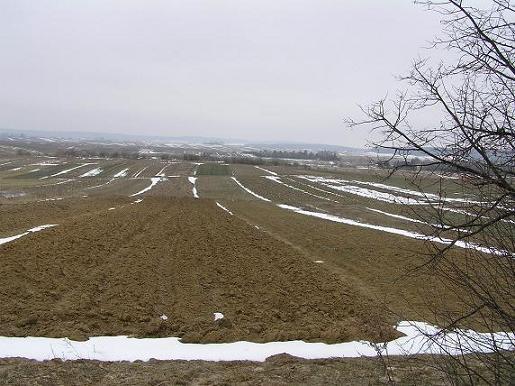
[471, 144]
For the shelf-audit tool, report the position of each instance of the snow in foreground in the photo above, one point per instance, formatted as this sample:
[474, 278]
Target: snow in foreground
[420, 338]
[32, 230]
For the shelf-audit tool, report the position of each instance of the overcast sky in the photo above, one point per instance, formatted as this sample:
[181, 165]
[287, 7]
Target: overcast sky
[256, 70]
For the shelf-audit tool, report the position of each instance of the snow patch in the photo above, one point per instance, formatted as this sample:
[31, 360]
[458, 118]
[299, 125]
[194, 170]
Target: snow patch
[92, 173]
[419, 338]
[218, 316]
[121, 173]
[193, 181]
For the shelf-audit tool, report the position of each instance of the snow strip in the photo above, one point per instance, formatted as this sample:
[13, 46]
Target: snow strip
[32, 230]
[401, 232]
[266, 170]
[104, 184]
[121, 173]
[398, 216]
[51, 199]
[419, 338]
[193, 181]
[279, 181]
[224, 208]
[59, 183]
[67, 170]
[92, 173]
[249, 191]
[154, 182]
[161, 172]
[141, 171]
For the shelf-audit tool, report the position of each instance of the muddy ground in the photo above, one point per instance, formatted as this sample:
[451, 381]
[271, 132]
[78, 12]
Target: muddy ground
[117, 272]
[277, 370]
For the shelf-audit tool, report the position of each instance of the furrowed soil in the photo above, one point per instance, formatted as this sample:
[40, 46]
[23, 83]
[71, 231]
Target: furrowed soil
[277, 370]
[116, 272]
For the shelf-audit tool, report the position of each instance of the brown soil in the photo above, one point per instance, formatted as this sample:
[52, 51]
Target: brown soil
[278, 370]
[116, 272]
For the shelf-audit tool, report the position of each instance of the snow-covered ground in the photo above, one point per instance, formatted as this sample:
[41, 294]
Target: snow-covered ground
[419, 338]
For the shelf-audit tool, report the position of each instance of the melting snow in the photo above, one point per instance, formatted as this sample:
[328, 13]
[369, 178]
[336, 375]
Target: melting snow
[67, 170]
[218, 316]
[161, 172]
[154, 182]
[419, 338]
[92, 173]
[141, 171]
[32, 230]
[401, 232]
[193, 181]
[224, 208]
[266, 170]
[249, 191]
[279, 181]
[121, 173]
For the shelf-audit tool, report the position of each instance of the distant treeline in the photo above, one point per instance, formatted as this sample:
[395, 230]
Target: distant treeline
[319, 155]
[192, 157]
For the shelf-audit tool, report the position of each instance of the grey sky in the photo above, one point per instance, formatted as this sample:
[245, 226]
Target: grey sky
[267, 69]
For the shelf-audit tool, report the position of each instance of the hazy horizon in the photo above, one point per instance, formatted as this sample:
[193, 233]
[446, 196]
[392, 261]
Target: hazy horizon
[257, 71]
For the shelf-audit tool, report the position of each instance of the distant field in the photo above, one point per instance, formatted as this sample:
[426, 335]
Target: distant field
[213, 169]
